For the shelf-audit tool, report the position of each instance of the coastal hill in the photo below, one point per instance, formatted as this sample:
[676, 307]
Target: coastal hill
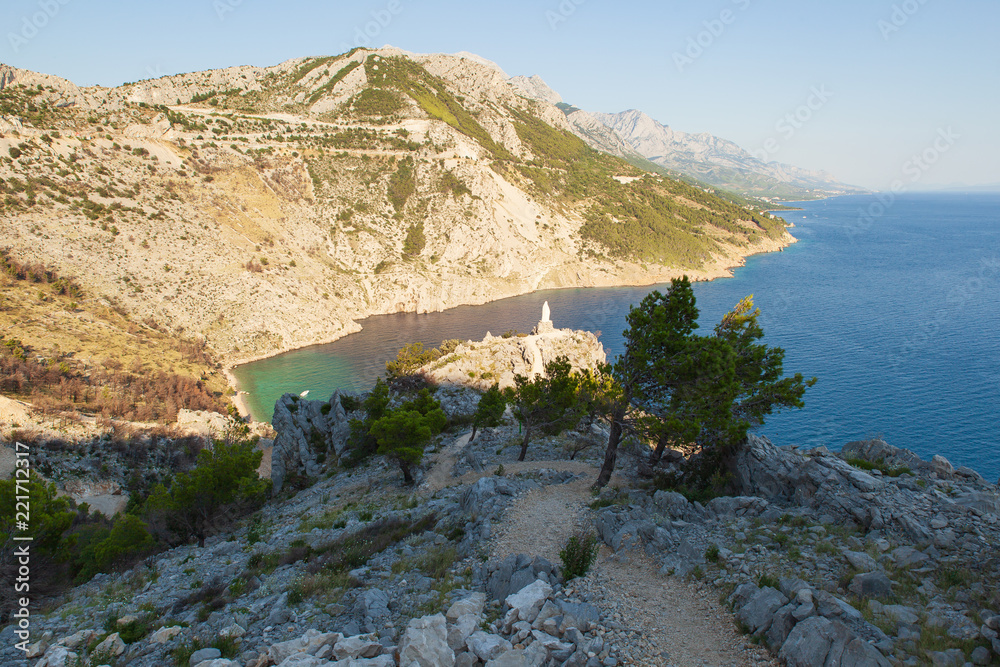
[262, 209]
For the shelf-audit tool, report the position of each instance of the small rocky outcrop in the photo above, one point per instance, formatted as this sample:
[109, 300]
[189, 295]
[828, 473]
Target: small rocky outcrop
[307, 432]
[496, 360]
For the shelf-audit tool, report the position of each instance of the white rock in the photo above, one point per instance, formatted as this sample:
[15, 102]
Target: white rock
[57, 656]
[234, 631]
[529, 600]
[487, 646]
[425, 643]
[163, 635]
[471, 605]
[358, 646]
[76, 639]
[113, 645]
[461, 630]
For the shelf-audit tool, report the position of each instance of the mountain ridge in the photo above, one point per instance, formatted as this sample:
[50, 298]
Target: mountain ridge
[266, 208]
[702, 156]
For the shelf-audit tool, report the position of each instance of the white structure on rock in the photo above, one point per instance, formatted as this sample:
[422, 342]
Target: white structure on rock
[545, 324]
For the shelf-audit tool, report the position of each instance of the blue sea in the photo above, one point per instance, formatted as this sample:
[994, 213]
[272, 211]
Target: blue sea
[894, 304]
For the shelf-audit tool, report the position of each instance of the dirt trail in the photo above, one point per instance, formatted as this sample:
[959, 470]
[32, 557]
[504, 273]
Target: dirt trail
[665, 620]
[440, 475]
[660, 621]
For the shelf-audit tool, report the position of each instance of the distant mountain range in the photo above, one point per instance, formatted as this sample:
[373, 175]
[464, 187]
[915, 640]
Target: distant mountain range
[718, 162]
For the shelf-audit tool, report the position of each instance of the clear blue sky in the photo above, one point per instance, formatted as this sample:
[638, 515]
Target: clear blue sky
[889, 92]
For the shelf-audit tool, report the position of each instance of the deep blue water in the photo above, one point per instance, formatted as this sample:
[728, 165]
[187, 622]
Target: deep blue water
[896, 313]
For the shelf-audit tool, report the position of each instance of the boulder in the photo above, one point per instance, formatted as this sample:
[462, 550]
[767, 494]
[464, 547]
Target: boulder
[204, 655]
[579, 615]
[861, 561]
[515, 572]
[533, 656]
[808, 643]
[907, 556]
[425, 643]
[487, 646]
[359, 646]
[871, 585]
[373, 604]
[58, 656]
[759, 610]
[461, 630]
[529, 600]
[473, 604]
[113, 645]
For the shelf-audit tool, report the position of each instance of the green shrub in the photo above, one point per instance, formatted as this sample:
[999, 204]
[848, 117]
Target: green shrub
[402, 184]
[415, 240]
[712, 553]
[578, 555]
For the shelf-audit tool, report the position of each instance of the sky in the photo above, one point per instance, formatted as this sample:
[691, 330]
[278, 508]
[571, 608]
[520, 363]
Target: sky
[876, 92]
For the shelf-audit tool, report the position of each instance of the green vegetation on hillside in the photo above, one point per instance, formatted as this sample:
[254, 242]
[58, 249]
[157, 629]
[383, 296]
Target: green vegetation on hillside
[415, 241]
[402, 183]
[431, 94]
[337, 78]
[308, 66]
[376, 102]
[653, 219]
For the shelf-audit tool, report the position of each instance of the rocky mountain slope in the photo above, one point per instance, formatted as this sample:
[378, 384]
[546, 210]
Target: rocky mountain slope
[636, 137]
[262, 209]
[720, 162]
[873, 557]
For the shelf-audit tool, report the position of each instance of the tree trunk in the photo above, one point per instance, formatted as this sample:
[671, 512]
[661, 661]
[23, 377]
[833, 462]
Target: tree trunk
[524, 443]
[407, 477]
[657, 453]
[611, 453]
[474, 427]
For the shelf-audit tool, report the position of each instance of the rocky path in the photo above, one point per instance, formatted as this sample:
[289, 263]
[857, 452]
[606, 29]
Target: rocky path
[440, 475]
[660, 620]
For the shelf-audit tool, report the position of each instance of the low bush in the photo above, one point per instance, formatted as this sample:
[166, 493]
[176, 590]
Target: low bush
[578, 555]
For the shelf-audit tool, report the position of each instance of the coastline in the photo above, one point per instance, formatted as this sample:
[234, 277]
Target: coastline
[722, 268]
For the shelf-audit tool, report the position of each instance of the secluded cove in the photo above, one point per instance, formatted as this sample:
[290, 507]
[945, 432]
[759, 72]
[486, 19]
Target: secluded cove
[897, 317]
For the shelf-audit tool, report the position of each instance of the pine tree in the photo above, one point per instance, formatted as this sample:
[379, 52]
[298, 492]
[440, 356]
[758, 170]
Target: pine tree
[490, 410]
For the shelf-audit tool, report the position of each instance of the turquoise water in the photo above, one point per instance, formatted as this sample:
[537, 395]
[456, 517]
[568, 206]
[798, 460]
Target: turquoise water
[896, 309]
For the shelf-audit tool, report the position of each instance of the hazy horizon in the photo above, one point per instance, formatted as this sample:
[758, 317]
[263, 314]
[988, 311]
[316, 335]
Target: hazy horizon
[873, 93]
